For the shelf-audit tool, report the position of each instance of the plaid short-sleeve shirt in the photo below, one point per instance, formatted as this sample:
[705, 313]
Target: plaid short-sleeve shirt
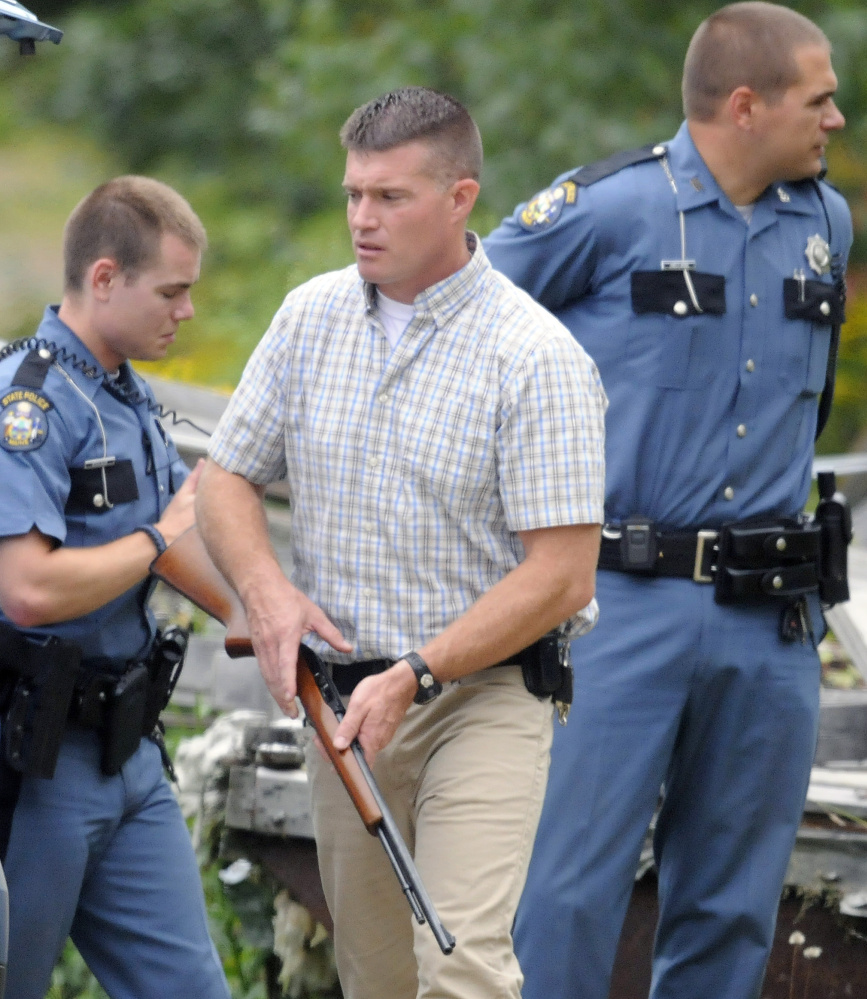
[411, 470]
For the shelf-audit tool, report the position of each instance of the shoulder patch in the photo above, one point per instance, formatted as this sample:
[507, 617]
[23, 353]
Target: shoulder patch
[587, 175]
[23, 420]
[545, 208]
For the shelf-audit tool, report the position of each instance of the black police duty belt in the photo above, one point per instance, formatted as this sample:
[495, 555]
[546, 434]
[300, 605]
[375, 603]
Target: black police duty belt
[745, 560]
[347, 676]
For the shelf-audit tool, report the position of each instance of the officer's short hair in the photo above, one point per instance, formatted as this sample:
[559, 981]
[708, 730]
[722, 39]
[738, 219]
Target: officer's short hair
[744, 44]
[125, 220]
[418, 114]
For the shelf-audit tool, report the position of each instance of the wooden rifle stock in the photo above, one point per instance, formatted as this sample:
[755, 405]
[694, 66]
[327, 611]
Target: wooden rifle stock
[187, 567]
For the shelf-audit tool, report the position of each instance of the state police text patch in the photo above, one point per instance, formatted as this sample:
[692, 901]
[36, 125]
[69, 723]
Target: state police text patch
[24, 420]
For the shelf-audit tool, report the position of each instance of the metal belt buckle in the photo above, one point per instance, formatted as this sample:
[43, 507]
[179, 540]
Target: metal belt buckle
[701, 538]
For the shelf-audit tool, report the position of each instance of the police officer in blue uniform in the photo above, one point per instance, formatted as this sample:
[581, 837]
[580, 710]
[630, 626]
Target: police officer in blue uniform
[704, 276]
[94, 844]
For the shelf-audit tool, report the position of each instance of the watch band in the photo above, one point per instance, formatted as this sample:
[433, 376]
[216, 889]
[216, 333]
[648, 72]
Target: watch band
[428, 686]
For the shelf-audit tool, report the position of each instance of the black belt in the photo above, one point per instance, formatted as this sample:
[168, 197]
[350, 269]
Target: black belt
[743, 560]
[347, 676]
[684, 554]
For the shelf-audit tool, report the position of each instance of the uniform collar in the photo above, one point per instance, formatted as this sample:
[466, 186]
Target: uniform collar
[696, 185]
[87, 373]
[443, 299]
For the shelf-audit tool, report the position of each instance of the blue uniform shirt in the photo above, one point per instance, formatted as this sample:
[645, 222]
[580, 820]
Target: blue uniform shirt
[711, 417]
[72, 418]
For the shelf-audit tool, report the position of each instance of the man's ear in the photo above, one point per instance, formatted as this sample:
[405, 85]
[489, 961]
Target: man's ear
[465, 192]
[102, 274]
[741, 106]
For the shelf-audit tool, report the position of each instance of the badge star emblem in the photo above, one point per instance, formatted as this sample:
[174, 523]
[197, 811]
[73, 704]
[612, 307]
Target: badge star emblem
[818, 254]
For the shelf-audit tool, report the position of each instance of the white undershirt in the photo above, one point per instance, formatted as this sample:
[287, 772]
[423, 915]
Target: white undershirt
[395, 316]
[747, 211]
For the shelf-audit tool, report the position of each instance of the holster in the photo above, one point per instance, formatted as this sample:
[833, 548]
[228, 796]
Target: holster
[834, 519]
[547, 670]
[134, 705]
[164, 667]
[40, 684]
[123, 726]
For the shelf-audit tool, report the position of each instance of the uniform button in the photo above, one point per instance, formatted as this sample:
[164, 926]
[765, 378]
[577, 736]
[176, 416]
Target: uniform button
[680, 308]
[825, 309]
[781, 544]
[777, 582]
[658, 150]
[44, 353]
[383, 397]
[742, 430]
[98, 500]
[754, 300]
[750, 365]
[729, 493]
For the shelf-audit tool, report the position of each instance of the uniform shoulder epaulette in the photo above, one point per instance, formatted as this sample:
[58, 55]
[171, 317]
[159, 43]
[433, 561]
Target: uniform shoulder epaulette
[593, 172]
[33, 369]
[542, 211]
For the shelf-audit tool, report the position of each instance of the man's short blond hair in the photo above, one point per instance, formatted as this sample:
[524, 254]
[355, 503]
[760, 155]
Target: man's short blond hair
[744, 44]
[125, 220]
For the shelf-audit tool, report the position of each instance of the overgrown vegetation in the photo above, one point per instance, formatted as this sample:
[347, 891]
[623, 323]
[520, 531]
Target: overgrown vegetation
[238, 103]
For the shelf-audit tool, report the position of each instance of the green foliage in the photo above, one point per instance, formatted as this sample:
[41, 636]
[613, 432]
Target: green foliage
[71, 978]
[238, 102]
[254, 91]
[241, 931]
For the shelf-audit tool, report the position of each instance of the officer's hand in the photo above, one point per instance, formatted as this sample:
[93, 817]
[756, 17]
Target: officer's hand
[376, 708]
[180, 513]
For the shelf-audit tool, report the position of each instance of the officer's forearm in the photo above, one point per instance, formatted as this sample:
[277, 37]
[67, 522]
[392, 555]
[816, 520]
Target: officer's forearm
[41, 583]
[555, 581]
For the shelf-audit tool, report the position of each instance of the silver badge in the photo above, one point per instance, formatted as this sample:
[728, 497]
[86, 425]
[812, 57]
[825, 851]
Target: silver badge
[818, 254]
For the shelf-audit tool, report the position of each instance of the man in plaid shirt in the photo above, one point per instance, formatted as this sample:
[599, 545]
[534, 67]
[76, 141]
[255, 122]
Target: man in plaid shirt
[442, 439]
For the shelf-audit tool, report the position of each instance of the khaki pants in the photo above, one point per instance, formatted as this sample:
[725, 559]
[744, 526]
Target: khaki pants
[464, 778]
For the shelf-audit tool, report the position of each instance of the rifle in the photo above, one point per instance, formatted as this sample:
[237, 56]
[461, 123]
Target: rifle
[187, 567]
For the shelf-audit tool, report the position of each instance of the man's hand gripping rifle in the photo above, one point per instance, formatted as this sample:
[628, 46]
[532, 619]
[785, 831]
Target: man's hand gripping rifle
[186, 566]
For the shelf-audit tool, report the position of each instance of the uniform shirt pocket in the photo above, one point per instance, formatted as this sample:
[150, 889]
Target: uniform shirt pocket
[665, 331]
[811, 307]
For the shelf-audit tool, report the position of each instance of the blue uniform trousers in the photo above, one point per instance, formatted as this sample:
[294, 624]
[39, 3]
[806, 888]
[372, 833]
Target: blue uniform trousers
[671, 689]
[109, 862]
